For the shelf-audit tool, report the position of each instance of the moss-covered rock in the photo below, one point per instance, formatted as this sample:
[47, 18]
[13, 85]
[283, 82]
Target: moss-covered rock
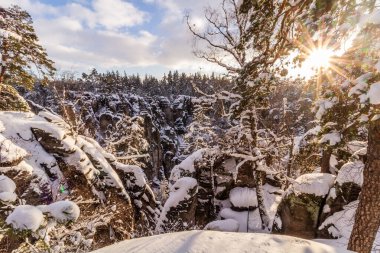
[298, 214]
[10, 100]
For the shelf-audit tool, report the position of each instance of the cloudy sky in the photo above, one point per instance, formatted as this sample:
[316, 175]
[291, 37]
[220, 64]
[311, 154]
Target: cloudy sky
[138, 36]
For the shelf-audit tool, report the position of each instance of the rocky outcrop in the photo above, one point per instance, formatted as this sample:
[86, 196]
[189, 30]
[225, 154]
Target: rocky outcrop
[143, 131]
[341, 197]
[179, 213]
[218, 177]
[49, 162]
[298, 212]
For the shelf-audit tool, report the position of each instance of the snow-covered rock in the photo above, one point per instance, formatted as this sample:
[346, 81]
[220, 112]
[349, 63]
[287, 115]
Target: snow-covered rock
[374, 93]
[7, 184]
[25, 217]
[252, 217]
[7, 189]
[186, 167]
[351, 172]
[298, 212]
[318, 184]
[228, 225]
[341, 197]
[179, 208]
[53, 164]
[8, 196]
[62, 211]
[219, 242]
[243, 198]
[339, 225]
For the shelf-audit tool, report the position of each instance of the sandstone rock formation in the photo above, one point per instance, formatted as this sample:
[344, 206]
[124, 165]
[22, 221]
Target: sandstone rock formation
[49, 162]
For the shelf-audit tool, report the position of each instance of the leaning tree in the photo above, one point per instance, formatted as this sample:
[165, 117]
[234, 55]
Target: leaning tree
[22, 57]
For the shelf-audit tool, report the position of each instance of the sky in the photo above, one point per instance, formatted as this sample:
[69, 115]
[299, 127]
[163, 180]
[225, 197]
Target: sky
[135, 36]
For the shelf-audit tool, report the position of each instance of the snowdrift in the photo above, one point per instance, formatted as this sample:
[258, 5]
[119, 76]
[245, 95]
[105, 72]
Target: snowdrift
[219, 242]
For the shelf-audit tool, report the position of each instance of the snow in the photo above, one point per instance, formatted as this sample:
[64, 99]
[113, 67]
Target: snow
[186, 165]
[299, 139]
[355, 146]
[7, 189]
[138, 173]
[373, 17]
[332, 138]
[272, 198]
[340, 225]
[318, 184]
[17, 128]
[323, 105]
[94, 151]
[351, 172]
[7, 184]
[254, 220]
[228, 225]
[243, 197]
[62, 211]
[8, 196]
[218, 242]
[360, 152]
[9, 152]
[374, 93]
[8, 34]
[25, 217]
[178, 193]
[360, 84]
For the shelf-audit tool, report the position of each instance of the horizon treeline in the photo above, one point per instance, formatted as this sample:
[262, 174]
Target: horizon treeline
[173, 83]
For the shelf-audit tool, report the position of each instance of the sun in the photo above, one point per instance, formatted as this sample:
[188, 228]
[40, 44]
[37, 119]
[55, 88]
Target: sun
[319, 58]
[316, 60]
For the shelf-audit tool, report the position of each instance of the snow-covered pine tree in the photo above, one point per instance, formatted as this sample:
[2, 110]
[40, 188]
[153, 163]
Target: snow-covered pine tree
[21, 54]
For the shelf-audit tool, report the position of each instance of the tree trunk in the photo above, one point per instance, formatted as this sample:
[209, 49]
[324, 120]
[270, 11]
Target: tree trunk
[325, 160]
[3, 60]
[259, 176]
[367, 217]
[290, 161]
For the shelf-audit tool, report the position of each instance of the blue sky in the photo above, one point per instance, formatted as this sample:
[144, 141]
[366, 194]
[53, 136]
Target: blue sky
[138, 36]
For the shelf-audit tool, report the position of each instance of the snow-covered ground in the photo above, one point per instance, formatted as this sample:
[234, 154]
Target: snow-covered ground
[220, 242]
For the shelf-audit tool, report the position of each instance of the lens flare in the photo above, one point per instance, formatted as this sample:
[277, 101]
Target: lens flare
[319, 58]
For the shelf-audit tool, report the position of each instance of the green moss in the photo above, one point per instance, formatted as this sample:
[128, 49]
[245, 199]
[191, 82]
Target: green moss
[10, 100]
[311, 202]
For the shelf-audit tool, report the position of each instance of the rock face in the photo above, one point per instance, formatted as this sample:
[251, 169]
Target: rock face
[178, 213]
[144, 131]
[298, 212]
[49, 162]
[342, 196]
[218, 180]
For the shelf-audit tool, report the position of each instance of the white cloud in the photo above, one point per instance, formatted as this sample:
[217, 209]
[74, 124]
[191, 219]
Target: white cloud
[98, 33]
[114, 14]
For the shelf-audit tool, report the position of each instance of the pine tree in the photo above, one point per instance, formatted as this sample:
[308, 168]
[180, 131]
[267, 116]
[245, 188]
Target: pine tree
[21, 54]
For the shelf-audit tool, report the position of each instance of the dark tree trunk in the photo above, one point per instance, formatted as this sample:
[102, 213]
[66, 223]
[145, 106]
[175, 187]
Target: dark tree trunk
[367, 217]
[325, 160]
